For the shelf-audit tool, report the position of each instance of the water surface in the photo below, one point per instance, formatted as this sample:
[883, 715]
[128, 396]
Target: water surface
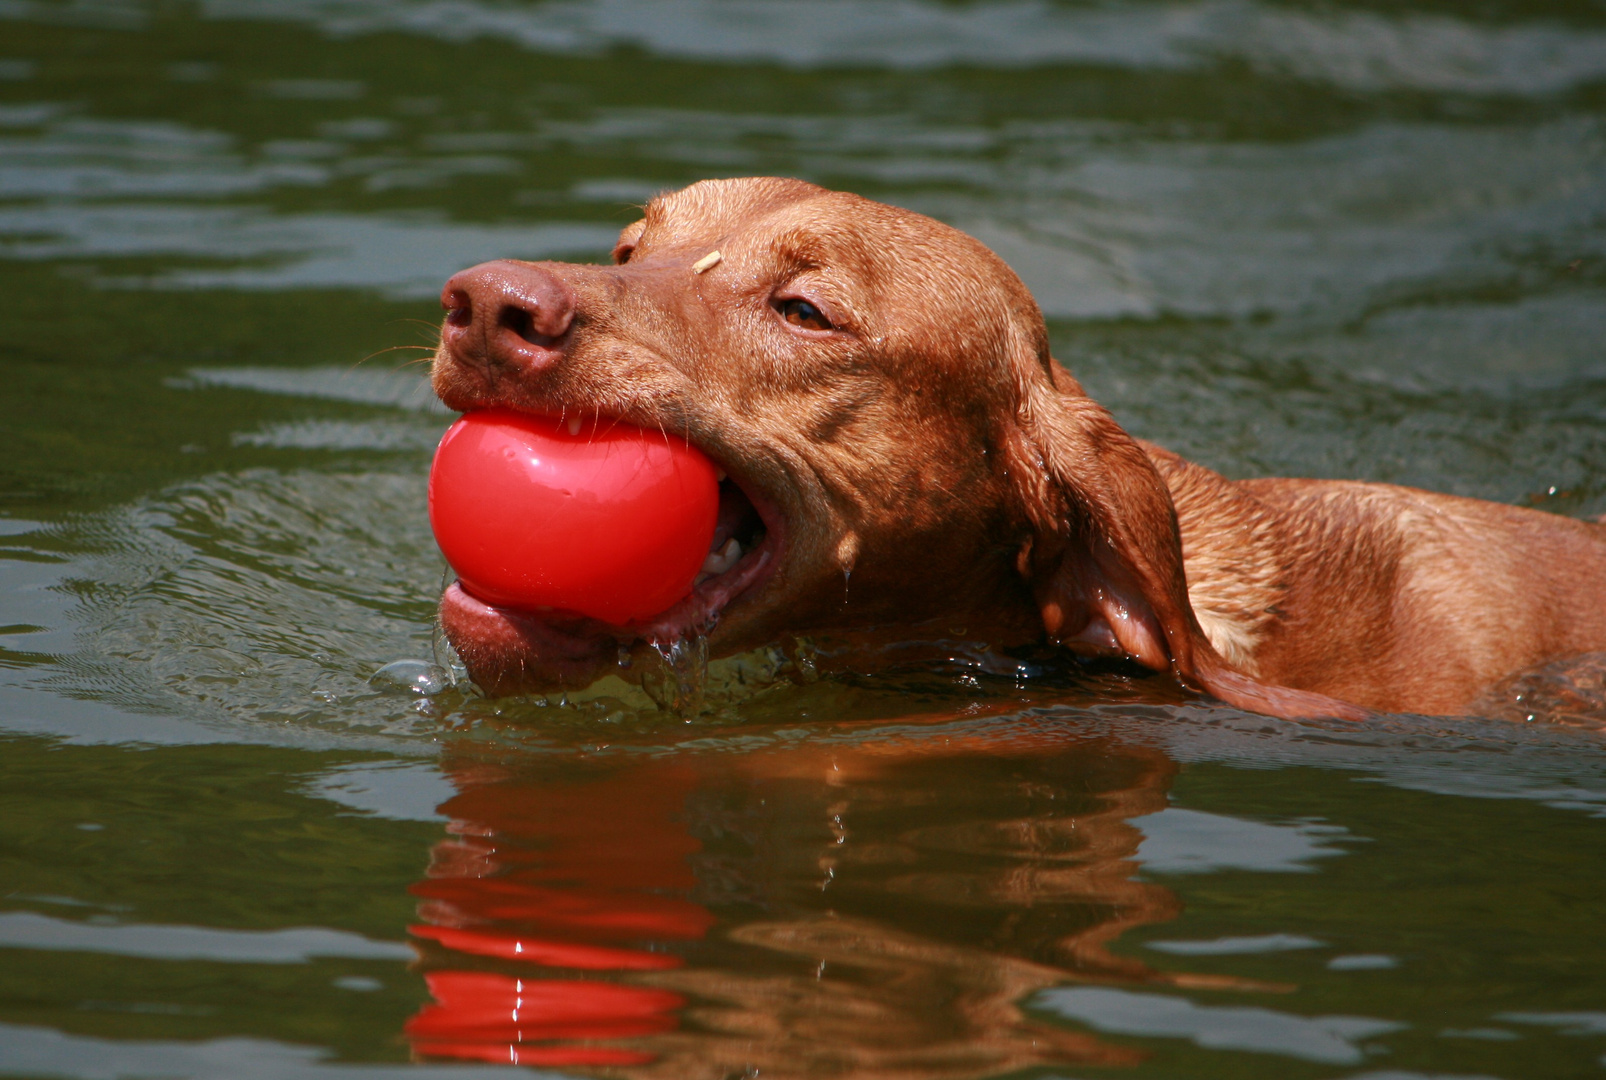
[1338, 239]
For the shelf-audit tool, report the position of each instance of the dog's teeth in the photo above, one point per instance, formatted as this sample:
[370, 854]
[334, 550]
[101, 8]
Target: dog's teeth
[722, 560]
[719, 475]
[574, 425]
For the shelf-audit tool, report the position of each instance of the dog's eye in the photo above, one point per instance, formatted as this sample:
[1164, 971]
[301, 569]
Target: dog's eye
[804, 314]
[622, 253]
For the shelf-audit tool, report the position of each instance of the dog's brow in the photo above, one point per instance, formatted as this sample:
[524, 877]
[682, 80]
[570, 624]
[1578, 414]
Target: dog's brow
[806, 247]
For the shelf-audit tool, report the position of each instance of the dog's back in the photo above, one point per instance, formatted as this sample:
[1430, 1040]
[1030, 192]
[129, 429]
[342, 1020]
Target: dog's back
[1386, 596]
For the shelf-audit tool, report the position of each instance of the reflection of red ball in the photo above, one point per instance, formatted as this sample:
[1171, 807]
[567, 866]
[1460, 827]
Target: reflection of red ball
[613, 522]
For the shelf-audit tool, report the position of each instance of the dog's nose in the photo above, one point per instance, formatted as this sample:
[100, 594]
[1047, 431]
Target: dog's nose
[508, 314]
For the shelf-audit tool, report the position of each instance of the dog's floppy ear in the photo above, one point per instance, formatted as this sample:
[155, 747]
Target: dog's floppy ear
[1104, 554]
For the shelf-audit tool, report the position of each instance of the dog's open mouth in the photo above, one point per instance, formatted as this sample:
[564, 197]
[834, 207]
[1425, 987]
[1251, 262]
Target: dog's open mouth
[508, 650]
[739, 555]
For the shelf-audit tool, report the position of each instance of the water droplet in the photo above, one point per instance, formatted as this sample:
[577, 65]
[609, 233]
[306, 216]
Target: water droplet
[446, 657]
[678, 680]
[412, 676]
[802, 653]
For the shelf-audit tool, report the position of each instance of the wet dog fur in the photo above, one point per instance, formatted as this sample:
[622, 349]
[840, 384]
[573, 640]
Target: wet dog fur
[903, 451]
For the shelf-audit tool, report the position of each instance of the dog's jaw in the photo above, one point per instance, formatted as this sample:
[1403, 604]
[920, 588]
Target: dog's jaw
[510, 651]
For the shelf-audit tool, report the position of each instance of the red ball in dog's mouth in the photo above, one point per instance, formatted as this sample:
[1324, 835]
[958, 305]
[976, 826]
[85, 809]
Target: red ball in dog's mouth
[601, 519]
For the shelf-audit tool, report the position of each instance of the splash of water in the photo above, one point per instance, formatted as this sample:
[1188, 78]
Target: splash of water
[803, 656]
[678, 679]
[445, 655]
[412, 676]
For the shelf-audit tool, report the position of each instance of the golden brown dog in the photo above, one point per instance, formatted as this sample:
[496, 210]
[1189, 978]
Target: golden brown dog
[902, 451]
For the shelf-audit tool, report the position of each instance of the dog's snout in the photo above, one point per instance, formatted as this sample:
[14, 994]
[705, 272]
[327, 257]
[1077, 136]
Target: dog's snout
[508, 314]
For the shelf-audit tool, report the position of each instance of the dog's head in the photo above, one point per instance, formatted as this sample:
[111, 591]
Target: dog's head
[899, 445]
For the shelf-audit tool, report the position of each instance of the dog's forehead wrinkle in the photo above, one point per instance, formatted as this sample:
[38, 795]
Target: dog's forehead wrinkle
[711, 208]
[814, 232]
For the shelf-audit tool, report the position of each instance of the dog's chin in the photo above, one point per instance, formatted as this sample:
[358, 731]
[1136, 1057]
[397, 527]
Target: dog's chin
[512, 651]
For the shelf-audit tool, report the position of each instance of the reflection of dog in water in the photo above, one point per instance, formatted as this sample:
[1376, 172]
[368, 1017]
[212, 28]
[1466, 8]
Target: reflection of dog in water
[714, 915]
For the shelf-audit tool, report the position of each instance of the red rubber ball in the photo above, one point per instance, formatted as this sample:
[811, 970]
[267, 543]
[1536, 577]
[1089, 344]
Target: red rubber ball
[611, 521]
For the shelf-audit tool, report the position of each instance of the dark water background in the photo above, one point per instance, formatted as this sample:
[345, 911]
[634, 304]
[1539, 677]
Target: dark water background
[1357, 239]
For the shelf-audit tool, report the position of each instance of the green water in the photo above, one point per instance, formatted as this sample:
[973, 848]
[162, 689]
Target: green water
[1338, 239]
